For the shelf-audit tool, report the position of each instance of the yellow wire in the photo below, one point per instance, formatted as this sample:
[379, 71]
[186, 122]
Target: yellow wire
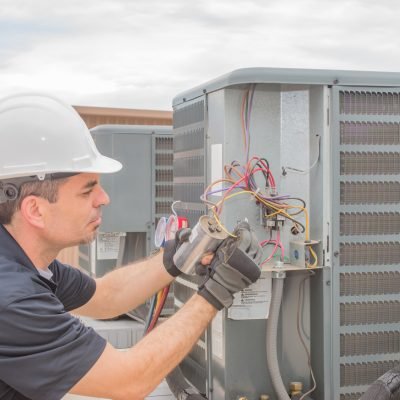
[279, 209]
[314, 256]
[208, 188]
[268, 204]
[220, 224]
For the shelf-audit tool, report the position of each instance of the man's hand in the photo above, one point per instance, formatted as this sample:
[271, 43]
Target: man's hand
[170, 248]
[234, 267]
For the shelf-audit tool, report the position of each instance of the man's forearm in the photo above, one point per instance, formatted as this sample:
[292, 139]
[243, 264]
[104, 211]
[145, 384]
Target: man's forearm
[135, 373]
[126, 288]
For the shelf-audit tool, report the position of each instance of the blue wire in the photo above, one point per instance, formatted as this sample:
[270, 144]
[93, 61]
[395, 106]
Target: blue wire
[150, 314]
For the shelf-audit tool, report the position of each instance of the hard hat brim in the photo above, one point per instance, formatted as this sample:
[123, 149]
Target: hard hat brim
[104, 165]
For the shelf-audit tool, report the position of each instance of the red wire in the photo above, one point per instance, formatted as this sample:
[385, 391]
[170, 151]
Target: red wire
[159, 308]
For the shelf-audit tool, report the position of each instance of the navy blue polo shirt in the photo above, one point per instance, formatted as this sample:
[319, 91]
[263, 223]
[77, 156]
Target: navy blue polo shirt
[44, 350]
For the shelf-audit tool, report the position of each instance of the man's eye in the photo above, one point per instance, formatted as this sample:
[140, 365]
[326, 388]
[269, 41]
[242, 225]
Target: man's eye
[86, 193]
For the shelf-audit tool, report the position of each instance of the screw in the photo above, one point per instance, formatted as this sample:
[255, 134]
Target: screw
[328, 283]
[336, 253]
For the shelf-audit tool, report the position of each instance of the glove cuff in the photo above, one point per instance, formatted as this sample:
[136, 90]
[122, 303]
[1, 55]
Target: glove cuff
[216, 294]
[173, 270]
[169, 251]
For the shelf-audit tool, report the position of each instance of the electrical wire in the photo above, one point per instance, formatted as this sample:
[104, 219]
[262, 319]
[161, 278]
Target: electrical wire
[301, 293]
[255, 179]
[150, 313]
[277, 245]
[240, 180]
[162, 297]
[314, 255]
[285, 170]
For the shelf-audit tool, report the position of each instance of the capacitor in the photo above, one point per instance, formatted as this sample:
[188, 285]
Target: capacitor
[206, 236]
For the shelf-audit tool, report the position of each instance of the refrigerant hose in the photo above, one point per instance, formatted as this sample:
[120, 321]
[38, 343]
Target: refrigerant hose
[271, 336]
[180, 388]
[386, 387]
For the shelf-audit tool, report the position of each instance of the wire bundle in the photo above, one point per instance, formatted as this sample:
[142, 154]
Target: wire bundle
[156, 305]
[241, 180]
[247, 106]
[278, 245]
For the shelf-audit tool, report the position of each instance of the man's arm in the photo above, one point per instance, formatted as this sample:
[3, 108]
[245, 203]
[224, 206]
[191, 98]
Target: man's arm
[126, 288]
[135, 373]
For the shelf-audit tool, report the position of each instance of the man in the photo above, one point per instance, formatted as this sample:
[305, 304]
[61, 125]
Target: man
[50, 198]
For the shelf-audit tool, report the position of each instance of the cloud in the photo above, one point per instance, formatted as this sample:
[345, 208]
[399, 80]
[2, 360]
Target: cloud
[141, 54]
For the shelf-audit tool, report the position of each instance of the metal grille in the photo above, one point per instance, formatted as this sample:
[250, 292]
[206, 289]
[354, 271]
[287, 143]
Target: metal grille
[376, 312]
[369, 133]
[369, 192]
[351, 396]
[189, 140]
[369, 283]
[356, 344]
[183, 293]
[164, 191]
[371, 103]
[364, 373]
[194, 373]
[189, 166]
[189, 192]
[370, 253]
[164, 143]
[383, 253]
[189, 184]
[189, 115]
[164, 159]
[368, 249]
[374, 163]
[163, 207]
[164, 175]
[384, 223]
[198, 354]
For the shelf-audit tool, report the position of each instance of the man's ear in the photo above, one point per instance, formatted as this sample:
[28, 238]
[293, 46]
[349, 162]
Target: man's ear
[32, 209]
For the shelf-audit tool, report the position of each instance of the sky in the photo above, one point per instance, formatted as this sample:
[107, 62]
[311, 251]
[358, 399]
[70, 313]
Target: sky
[142, 53]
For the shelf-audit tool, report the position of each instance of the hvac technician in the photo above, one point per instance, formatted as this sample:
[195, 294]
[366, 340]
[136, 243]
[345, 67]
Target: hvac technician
[50, 199]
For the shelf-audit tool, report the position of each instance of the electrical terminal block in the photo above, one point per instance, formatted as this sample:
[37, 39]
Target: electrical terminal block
[274, 222]
[304, 253]
[272, 191]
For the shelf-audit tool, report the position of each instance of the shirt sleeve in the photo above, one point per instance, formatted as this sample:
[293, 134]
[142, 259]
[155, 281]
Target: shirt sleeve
[74, 288]
[44, 351]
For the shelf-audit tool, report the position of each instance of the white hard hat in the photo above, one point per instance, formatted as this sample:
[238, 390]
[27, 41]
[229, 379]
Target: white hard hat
[40, 135]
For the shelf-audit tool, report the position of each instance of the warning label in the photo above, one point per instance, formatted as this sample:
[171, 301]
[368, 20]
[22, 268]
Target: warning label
[254, 301]
[108, 245]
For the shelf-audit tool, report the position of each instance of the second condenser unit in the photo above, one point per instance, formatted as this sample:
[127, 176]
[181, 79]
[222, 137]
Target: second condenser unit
[140, 193]
[311, 159]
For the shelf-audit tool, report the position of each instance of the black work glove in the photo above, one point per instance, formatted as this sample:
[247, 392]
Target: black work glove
[234, 267]
[170, 248]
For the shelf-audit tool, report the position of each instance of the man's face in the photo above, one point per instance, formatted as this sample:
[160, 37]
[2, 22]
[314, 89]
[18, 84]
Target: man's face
[76, 215]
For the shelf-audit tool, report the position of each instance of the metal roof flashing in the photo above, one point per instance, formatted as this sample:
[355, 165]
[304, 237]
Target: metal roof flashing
[131, 129]
[291, 76]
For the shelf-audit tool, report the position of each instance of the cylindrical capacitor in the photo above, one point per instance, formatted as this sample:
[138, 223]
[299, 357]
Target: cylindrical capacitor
[206, 236]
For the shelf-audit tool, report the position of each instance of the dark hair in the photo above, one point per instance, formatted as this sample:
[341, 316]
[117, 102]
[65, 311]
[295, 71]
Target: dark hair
[47, 189]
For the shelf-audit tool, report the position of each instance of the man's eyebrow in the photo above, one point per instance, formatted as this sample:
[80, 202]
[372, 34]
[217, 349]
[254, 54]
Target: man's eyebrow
[90, 184]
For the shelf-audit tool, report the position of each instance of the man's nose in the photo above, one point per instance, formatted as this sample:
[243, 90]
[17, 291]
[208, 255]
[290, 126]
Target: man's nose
[102, 198]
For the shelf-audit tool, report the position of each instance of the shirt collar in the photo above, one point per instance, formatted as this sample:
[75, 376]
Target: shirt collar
[11, 250]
